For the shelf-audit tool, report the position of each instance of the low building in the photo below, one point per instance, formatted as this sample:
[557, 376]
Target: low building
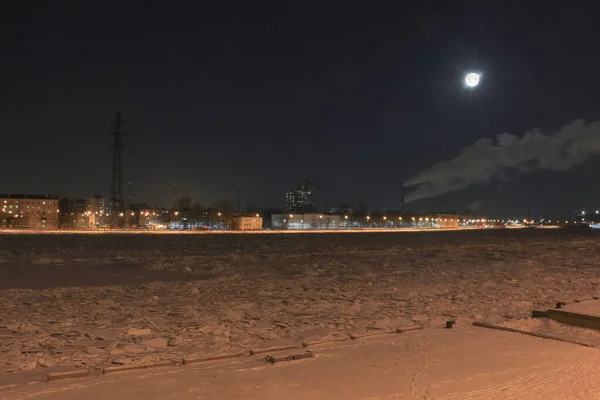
[312, 221]
[155, 218]
[247, 223]
[447, 220]
[583, 216]
[338, 210]
[23, 211]
[433, 220]
[219, 219]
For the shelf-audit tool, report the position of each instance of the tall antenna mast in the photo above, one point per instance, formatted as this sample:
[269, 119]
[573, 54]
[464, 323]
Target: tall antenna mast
[402, 200]
[116, 182]
[129, 196]
[175, 197]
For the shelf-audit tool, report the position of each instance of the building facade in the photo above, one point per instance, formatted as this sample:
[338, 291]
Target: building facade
[155, 218]
[309, 221]
[246, 223]
[587, 217]
[300, 200]
[73, 214]
[36, 212]
[98, 212]
[338, 210]
[447, 220]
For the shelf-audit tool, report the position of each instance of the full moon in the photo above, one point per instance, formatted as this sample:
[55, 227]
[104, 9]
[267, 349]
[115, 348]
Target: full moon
[472, 79]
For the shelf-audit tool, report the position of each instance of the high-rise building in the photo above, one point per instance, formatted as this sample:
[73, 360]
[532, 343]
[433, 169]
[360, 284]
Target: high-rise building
[73, 214]
[300, 200]
[99, 212]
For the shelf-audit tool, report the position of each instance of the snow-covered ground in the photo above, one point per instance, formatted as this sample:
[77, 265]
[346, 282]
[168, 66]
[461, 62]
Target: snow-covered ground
[166, 296]
[460, 364]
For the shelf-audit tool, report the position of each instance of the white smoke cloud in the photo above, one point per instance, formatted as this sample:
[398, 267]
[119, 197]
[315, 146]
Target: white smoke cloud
[486, 158]
[475, 206]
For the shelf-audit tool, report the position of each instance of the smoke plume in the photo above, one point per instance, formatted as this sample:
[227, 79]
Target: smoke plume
[487, 159]
[475, 206]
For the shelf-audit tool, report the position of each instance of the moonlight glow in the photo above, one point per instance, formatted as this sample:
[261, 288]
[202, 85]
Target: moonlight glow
[472, 79]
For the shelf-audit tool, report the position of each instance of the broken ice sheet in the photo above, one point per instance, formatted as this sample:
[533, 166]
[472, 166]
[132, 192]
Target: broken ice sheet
[268, 290]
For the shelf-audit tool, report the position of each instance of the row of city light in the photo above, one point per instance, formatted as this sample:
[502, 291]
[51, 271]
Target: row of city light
[24, 211]
[532, 221]
[368, 218]
[426, 219]
[17, 201]
[17, 206]
[146, 214]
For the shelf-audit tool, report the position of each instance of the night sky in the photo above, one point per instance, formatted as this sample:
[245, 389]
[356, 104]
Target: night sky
[356, 96]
